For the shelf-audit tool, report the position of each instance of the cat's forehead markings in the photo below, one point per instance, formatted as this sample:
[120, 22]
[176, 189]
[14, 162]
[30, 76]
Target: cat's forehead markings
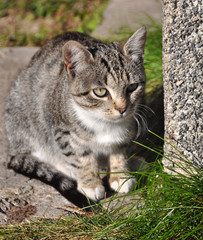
[111, 79]
[124, 76]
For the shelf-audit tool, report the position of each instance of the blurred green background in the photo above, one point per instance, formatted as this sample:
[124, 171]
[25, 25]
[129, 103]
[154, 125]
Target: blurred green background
[31, 22]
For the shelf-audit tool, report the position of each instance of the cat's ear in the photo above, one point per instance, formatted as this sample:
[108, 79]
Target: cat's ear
[76, 56]
[133, 47]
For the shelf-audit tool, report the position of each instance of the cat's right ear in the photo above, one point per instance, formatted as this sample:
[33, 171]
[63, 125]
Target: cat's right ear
[133, 47]
[76, 57]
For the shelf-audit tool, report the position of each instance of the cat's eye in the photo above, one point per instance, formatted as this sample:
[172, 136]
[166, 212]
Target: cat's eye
[100, 92]
[132, 87]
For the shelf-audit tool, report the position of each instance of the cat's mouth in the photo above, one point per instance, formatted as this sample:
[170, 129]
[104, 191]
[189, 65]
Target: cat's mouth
[119, 117]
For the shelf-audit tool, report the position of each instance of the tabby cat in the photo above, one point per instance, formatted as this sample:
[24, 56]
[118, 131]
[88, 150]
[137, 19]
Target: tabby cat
[73, 109]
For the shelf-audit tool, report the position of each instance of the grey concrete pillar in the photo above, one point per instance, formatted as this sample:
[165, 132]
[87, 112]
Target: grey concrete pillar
[183, 79]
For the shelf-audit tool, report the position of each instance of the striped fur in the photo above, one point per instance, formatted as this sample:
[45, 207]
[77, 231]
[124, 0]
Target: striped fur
[55, 119]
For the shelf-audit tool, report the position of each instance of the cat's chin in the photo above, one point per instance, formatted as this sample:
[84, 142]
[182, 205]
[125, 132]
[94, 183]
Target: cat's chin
[115, 120]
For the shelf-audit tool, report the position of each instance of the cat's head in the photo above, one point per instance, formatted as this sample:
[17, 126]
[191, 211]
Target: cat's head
[107, 80]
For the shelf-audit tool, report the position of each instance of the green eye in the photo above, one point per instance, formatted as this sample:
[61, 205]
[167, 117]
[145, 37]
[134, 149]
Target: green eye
[100, 92]
[132, 87]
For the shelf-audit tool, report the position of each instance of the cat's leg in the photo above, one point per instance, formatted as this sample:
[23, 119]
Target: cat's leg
[119, 179]
[89, 182]
[85, 166]
[30, 166]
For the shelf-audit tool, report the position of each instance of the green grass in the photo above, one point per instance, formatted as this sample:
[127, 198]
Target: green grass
[170, 207]
[153, 59]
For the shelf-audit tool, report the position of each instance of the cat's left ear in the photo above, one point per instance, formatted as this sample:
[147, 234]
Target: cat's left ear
[76, 57]
[133, 47]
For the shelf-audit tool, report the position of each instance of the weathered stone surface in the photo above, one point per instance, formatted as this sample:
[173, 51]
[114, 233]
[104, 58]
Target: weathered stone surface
[183, 84]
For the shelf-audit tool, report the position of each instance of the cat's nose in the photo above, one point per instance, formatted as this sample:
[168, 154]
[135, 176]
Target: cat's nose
[122, 109]
[120, 105]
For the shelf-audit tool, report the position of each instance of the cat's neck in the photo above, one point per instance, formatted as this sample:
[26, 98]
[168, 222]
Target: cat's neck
[106, 133]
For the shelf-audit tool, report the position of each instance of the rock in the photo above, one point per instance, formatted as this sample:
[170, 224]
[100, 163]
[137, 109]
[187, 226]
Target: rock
[182, 41]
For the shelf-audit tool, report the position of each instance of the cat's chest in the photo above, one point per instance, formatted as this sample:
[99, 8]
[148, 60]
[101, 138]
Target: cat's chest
[105, 136]
[101, 133]
[108, 134]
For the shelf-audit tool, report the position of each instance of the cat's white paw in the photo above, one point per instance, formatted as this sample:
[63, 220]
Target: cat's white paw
[95, 194]
[123, 185]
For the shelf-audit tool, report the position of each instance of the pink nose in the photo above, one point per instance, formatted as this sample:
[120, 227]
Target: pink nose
[122, 109]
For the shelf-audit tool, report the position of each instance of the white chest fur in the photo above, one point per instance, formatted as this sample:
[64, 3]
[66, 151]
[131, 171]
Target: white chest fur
[110, 134]
[107, 133]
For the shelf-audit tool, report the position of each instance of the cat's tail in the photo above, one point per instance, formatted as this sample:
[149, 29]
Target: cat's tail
[29, 166]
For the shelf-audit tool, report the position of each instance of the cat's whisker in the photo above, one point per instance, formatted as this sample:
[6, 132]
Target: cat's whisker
[145, 123]
[146, 108]
[142, 122]
[143, 113]
[138, 127]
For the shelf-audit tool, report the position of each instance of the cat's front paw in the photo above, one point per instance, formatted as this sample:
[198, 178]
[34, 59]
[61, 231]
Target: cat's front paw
[95, 194]
[122, 185]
